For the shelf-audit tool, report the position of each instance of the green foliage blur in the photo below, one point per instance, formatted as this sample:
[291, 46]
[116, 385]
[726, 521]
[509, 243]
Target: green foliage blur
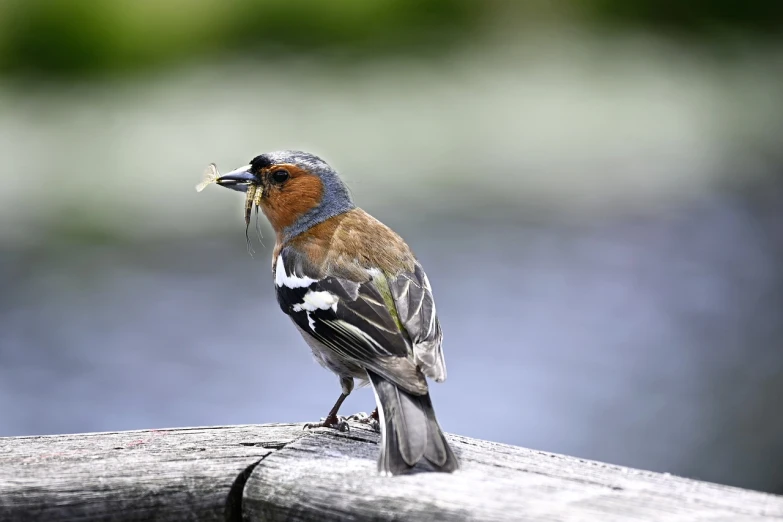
[700, 18]
[88, 37]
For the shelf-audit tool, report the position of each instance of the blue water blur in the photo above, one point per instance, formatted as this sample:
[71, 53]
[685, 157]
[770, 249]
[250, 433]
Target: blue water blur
[646, 341]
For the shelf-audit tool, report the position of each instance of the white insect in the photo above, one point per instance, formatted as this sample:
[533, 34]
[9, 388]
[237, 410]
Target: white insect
[210, 176]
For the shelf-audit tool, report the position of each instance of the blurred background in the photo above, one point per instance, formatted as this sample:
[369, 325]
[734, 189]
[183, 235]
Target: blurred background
[595, 188]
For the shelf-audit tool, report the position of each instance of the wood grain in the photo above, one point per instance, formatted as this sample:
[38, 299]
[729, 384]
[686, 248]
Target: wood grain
[280, 472]
[172, 474]
[331, 476]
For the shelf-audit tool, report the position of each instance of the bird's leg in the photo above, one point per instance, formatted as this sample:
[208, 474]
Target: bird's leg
[332, 420]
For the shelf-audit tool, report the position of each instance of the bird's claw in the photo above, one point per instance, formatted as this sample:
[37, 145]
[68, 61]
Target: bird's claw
[358, 417]
[369, 420]
[337, 423]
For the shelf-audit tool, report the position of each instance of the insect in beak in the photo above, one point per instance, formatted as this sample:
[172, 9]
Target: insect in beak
[210, 176]
[241, 180]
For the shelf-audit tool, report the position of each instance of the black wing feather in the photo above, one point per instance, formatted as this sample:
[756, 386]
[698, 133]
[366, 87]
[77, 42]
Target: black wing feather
[359, 327]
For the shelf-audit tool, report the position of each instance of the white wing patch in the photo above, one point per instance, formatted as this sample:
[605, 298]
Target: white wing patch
[321, 300]
[283, 279]
[310, 321]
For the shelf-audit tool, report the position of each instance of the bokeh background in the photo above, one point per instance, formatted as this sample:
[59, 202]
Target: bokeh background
[594, 186]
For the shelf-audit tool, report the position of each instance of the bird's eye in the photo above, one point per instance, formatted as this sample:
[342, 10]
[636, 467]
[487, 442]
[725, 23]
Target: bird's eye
[280, 176]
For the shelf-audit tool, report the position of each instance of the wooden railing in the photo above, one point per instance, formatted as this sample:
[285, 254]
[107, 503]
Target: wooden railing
[282, 472]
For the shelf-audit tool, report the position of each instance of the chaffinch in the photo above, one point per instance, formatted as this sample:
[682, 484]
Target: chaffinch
[358, 296]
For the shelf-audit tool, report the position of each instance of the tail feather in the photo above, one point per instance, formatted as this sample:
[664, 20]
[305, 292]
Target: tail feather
[411, 426]
[410, 432]
[438, 452]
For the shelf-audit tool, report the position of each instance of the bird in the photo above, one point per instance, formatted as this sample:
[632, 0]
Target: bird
[358, 296]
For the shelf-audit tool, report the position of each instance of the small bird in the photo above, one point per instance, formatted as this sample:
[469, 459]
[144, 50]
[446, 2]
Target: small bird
[358, 296]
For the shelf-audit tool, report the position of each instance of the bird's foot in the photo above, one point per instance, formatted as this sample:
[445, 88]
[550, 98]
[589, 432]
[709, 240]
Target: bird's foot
[335, 422]
[371, 420]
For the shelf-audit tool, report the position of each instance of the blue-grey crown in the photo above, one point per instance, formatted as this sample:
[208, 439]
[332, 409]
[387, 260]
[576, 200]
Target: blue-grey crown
[336, 199]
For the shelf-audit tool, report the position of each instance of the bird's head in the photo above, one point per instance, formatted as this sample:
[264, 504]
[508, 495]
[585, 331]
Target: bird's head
[295, 190]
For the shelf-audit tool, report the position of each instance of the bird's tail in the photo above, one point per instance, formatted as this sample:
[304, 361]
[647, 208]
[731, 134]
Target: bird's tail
[409, 431]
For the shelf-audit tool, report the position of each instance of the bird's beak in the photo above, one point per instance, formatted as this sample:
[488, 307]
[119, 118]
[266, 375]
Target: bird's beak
[238, 179]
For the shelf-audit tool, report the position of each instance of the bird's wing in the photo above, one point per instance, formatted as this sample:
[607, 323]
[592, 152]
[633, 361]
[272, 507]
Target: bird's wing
[415, 305]
[355, 319]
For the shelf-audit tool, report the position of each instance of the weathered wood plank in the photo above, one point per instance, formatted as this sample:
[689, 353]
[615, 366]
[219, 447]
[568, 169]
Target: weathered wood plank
[279, 472]
[327, 476]
[171, 474]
